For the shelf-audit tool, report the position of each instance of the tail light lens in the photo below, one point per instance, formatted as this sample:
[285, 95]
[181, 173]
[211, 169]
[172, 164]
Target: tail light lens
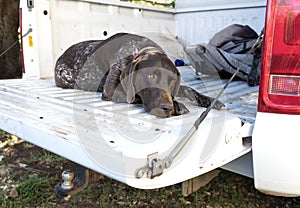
[280, 69]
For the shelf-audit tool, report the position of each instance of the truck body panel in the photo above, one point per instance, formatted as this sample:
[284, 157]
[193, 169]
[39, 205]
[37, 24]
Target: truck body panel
[117, 139]
[275, 136]
[275, 168]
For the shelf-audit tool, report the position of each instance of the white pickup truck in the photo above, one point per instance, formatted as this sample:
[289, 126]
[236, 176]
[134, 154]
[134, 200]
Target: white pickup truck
[255, 134]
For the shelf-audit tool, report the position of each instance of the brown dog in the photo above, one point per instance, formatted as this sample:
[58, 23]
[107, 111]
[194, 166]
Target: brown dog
[127, 68]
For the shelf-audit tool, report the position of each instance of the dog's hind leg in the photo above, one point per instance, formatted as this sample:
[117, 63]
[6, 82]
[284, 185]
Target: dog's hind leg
[112, 89]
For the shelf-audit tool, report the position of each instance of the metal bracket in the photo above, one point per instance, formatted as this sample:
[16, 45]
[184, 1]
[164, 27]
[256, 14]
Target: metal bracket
[156, 165]
[153, 168]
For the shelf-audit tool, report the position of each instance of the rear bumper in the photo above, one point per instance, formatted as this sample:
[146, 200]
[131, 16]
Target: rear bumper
[276, 154]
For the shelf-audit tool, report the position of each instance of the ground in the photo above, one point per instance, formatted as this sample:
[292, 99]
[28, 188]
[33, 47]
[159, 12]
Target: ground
[28, 175]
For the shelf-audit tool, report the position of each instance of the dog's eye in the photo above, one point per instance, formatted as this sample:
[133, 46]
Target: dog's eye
[152, 76]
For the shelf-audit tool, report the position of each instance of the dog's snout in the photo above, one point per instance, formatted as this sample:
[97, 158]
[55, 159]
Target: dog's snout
[163, 110]
[166, 107]
[166, 104]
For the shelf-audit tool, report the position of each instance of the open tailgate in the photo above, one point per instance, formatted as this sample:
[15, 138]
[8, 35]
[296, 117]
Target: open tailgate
[117, 139]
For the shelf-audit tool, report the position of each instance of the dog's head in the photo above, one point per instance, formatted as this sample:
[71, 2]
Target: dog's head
[152, 78]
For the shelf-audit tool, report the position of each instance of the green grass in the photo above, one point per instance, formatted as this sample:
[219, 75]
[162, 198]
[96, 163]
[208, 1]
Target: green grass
[2, 132]
[25, 187]
[34, 190]
[37, 191]
[31, 191]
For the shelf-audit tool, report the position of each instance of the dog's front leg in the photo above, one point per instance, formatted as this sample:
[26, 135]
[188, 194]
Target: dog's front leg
[193, 95]
[179, 108]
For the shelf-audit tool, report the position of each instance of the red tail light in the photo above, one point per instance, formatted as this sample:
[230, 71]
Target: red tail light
[280, 69]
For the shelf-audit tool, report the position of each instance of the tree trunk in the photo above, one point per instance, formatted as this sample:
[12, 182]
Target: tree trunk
[10, 62]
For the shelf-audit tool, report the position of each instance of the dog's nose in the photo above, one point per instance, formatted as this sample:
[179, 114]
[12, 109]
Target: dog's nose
[163, 110]
[166, 107]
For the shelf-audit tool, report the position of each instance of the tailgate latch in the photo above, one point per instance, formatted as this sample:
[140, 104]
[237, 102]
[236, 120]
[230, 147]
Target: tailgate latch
[155, 167]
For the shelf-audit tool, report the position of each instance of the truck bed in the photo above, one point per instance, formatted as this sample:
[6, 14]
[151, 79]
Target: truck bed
[115, 139]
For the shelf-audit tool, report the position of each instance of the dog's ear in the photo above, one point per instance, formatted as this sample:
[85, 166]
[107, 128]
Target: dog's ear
[126, 79]
[176, 85]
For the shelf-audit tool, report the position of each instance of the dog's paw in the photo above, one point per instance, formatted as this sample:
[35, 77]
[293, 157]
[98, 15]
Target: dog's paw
[218, 105]
[206, 101]
[179, 108]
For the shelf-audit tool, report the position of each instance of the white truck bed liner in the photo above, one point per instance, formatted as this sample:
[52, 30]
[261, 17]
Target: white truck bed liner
[115, 139]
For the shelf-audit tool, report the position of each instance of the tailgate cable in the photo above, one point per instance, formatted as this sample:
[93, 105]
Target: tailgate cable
[155, 166]
[14, 43]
